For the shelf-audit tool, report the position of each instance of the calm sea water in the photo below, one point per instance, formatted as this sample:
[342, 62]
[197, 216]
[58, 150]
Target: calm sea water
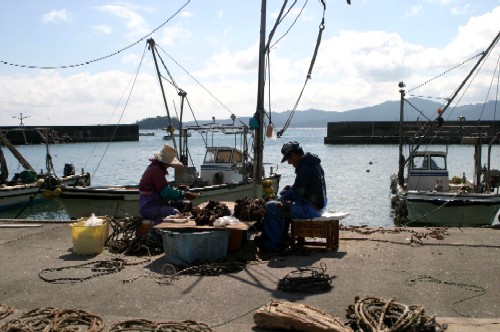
[357, 176]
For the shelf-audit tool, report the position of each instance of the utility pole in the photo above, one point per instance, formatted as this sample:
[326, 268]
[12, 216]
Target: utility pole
[20, 118]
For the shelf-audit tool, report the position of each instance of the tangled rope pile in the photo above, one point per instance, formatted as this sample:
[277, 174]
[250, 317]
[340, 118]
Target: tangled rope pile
[306, 280]
[51, 320]
[373, 314]
[140, 325]
[5, 310]
[124, 240]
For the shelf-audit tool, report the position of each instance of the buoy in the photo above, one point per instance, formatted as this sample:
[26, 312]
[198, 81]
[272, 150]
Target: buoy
[57, 192]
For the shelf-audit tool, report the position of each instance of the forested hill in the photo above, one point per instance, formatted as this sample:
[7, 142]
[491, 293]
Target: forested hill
[387, 111]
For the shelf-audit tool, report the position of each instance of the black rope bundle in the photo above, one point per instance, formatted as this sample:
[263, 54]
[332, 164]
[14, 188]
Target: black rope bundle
[140, 325]
[124, 240]
[97, 268]
[372, 314]
[52, 319]
[306, 280]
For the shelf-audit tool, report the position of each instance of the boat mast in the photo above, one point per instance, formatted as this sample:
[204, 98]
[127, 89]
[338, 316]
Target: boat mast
[259, 137]
[152, 47]
[401, 178]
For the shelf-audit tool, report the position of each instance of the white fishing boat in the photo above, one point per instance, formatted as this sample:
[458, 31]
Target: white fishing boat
[29, 187]
[424, 194]
[224, 175]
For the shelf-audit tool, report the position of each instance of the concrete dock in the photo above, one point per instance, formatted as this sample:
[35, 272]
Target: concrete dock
[454, 277]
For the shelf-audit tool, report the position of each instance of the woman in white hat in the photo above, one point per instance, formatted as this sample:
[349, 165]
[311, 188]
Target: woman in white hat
[154, 190]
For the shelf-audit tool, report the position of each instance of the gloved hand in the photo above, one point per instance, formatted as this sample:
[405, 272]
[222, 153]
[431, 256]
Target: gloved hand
[287, 194]
[190, 195]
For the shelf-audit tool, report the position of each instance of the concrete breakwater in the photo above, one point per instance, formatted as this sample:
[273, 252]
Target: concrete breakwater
[71, 134]
[387, 132]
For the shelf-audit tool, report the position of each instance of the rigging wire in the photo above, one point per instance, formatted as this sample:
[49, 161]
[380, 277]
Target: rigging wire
[309, 73]
[103, 57]
[121, 115]
[445, 72]
[196, 80]
[291, 26]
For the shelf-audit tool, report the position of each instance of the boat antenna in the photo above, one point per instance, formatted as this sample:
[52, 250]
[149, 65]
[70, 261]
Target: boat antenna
[152, 47]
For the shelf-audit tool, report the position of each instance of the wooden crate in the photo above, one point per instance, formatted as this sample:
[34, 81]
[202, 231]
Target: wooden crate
[317, 228]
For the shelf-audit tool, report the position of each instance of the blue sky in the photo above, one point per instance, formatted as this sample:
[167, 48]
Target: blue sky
[367, 48]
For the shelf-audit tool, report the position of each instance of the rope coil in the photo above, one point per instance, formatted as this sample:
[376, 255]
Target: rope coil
[51, 319]
[379, 315]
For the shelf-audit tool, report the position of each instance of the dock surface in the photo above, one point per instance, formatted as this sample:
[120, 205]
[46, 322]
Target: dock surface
[455, 278]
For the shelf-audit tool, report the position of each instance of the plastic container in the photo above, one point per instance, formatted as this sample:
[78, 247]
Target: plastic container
[89, 240]
[184, 247]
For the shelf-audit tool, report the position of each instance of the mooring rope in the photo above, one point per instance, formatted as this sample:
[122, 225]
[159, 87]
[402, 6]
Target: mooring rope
[170, 273]
[477, 290]
[97, 268]
[52, 319]
[372, 314]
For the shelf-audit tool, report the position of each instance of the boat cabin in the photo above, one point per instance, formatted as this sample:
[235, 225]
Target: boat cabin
[428, 171]
[223, 165]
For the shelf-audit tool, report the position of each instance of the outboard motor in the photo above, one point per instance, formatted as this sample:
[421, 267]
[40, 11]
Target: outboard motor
[69, 169]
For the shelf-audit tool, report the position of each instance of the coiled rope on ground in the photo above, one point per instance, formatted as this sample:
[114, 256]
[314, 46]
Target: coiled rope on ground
[372, 314]
[141, 325]
[5, 310]
[52, 319]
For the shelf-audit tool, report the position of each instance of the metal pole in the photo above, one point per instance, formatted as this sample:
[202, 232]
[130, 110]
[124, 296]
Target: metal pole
[401, 178]
[259, 137]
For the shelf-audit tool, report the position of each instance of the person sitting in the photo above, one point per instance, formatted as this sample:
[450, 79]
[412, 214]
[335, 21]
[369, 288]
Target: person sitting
[304, 199]
[154, 191]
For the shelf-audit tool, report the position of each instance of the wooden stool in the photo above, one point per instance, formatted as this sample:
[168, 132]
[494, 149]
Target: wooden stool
[326, 226]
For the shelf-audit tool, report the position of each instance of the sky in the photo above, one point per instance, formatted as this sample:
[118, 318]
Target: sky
[87, 62]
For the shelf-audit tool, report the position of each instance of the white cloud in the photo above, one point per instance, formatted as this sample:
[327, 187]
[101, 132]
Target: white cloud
[174, 36]
[103, 29]
[414, 10]
[56, 16]
[135, 23]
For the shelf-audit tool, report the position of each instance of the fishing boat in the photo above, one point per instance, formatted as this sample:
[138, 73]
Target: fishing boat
[29, 187]
[422, 191]
[224, 175]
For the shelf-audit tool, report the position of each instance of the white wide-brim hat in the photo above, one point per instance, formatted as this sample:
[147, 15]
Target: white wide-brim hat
[168, 155]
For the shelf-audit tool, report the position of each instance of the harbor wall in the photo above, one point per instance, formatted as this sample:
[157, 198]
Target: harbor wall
[71, 134]
[387, 132]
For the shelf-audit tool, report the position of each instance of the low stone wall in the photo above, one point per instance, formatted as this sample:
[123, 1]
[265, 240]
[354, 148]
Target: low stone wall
[71, 134]
[387, 132]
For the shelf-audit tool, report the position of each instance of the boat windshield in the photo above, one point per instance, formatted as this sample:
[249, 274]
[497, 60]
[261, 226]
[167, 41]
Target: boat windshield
[223, 156]
[432, 162]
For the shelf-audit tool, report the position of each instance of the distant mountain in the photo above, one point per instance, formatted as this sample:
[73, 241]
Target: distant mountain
[386, 111]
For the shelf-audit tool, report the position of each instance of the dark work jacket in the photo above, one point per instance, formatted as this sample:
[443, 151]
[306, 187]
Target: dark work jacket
[309, 184]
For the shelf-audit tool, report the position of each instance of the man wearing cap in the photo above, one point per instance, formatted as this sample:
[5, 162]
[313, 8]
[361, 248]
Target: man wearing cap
[305, 199]
[154, 190]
